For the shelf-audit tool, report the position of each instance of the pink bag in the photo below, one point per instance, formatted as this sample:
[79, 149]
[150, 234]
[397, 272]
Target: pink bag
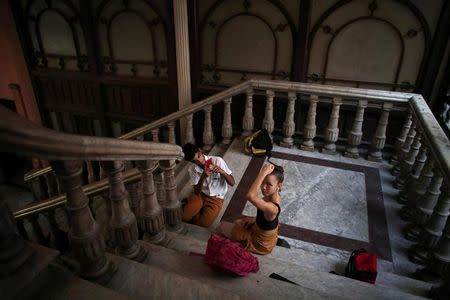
[230, 256]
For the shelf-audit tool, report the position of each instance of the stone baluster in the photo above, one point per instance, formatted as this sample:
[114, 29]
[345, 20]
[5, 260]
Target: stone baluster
[136, 196]
[416, 194]
[309, 132]
[90, 171]
[401, 139]
[268, 122]
[425, 207]
[152, 217]
[123, 221]
[37, 188]
[85, 237]
[172, 205]
[109, 233]
[208, 136]
[407, 164]
[41, 238]
[14, 252]
[189, 133]
[379, 137]
[429, 238]
[160, 189]
[52, 184]
[439, 261]
[355, 135]
[439, 256]
[413, 177]
[405, 149]
[248, 120]
[172, 137]
[155, 135]
[332, 130]
[227, 128]
[289, 124]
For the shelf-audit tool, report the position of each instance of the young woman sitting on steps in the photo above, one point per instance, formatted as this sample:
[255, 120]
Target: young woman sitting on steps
[259, 235]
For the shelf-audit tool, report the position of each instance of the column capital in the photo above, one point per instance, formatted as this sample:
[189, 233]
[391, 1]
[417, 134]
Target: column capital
[270, 93]
[292, 95]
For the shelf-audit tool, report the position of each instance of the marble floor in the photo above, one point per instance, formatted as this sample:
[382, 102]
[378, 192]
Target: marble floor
[330, 204]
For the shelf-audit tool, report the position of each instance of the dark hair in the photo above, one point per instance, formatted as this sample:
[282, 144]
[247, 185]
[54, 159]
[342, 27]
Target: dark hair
[278, 172]
[189, 151]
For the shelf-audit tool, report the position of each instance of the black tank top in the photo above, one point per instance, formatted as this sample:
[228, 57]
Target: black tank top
[263, 223]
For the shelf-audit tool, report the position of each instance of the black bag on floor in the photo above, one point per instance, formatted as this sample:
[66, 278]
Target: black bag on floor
[259, 143]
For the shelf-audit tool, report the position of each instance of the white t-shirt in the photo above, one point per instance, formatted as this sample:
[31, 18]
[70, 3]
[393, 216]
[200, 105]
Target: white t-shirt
[214, 185]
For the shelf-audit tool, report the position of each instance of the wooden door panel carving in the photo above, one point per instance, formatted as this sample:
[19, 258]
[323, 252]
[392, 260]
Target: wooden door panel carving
[100, 61]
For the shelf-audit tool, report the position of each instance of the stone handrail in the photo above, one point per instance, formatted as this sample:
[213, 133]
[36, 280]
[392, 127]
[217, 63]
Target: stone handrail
[436, 137]
[90, 190]
[24, 137]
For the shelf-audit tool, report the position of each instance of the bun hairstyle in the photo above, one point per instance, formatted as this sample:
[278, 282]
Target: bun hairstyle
[278, 172]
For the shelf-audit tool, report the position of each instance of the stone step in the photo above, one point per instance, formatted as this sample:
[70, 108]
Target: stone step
[56, 284]
[281, 260]
[254, 286]
[36, 263]
[143, 281]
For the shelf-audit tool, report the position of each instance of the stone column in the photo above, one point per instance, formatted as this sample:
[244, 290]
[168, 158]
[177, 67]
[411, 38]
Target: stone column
[136, 196]
[85, 237]
[172, 137]
[355, 135]
[189, 132]
[401, 139]
[248, 120]
[425, 207]
[181, 25]
[379, 137]
[52, 184]
[208, 135]
[90, 171]
[405, 149]
[310, 126]
[160, 190]
[407, 164]
[227, 128]
[332, 130]
[411, 182]
[123, 221]
[172, 207]
[289, 124]
[155, 135]
[268, 122]
[14, 252]
[439, 258]
[418, 191]
[433, 229]
[152, 216]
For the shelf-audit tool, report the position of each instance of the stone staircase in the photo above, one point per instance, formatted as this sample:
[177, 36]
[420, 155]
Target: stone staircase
[175, 269]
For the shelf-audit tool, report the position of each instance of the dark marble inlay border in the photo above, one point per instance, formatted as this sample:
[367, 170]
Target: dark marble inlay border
[378, 231]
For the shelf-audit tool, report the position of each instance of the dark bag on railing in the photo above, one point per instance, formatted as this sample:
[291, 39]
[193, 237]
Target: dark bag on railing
[258, 143]
[362, 265]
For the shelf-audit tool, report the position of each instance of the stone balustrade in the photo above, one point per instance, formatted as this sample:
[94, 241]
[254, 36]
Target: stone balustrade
[421, 157]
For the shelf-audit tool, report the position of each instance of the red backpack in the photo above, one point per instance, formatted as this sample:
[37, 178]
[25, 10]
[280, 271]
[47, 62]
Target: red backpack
[230, 256]
[362, 265]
